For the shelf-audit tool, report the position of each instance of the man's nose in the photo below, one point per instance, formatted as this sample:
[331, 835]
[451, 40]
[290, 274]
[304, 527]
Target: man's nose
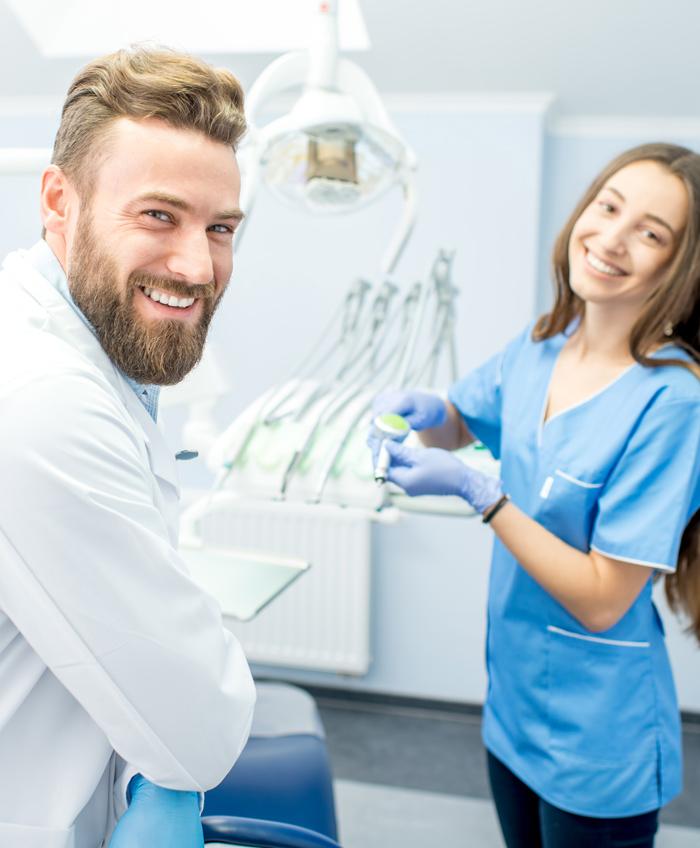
[190, 258]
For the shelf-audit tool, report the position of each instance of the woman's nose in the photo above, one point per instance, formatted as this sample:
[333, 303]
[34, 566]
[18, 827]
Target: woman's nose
[612, 237]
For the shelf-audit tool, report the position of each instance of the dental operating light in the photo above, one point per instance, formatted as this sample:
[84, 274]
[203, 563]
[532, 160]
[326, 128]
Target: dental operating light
[336, 150]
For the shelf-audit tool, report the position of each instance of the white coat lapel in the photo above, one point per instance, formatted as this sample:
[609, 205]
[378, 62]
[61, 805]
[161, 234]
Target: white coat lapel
[64, 322]
[162, 459]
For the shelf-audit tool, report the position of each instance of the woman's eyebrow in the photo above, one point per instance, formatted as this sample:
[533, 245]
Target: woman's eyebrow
[662, 223]
[615, 191]
[647, 214]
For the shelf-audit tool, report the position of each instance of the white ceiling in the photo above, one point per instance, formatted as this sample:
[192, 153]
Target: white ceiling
[600, 57]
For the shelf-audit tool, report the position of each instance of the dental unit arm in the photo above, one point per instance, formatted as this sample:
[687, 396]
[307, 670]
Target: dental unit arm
[315, 452]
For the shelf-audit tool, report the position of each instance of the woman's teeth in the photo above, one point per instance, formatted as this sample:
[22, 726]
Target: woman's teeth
[601, 266]
[168, 299]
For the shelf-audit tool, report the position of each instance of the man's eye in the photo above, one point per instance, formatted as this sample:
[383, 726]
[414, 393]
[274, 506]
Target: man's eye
[223, 229]
[158, 214]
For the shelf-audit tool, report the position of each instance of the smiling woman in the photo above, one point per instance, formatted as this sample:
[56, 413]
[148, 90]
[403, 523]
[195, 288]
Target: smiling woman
[619, 243]
[664, 176]
[594, 412]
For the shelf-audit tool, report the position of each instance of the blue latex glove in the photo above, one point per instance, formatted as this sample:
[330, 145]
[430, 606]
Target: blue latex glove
[433, 471]
[158, 818]
[421, 409]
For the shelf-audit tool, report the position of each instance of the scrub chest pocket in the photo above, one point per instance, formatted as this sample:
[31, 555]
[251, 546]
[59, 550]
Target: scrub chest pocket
[621, 718]
[567, 505]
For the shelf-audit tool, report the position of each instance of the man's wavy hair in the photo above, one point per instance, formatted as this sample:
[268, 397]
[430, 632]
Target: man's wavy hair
[143, 82]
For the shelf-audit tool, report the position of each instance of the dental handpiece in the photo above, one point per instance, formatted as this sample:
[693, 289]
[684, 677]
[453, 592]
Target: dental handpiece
[387, 427]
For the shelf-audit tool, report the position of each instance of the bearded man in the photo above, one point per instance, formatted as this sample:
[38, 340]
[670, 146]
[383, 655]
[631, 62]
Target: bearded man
[118, 681]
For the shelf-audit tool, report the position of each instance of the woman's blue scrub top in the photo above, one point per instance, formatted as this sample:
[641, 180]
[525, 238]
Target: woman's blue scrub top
[588, 720]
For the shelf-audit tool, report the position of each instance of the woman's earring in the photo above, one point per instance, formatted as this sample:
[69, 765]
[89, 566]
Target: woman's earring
[668, 329]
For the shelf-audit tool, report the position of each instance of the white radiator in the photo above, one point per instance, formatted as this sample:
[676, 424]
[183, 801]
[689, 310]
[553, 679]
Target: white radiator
[321, 621]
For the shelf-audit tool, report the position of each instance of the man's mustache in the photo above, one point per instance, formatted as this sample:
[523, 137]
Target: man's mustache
[204, 291]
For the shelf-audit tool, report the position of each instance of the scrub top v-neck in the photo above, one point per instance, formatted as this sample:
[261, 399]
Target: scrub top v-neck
[588, 720]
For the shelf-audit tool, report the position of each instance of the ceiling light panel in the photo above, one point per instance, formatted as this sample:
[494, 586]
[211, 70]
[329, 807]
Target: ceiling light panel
[89, 28]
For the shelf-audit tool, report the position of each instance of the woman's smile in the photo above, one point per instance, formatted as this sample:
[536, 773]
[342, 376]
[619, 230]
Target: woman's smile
[601, 267]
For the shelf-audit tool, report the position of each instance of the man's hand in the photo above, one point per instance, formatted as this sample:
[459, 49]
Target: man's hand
[158, 818]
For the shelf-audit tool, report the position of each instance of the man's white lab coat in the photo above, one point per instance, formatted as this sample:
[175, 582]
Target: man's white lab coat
[109, 652]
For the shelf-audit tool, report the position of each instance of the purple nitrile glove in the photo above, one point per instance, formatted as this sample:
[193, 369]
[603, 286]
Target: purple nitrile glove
[421, 409]
[433, 471]
[158, 818]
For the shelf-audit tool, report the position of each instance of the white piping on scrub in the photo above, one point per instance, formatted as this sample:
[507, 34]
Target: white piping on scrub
[657, 565]
[598, 639]
[575, 480]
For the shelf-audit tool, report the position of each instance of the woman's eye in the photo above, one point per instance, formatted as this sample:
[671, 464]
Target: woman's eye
[650, 235]
[605, 206]
[158, 214]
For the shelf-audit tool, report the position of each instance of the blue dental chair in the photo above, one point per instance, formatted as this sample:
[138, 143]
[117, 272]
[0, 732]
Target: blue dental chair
[256, 833]
[279, 794]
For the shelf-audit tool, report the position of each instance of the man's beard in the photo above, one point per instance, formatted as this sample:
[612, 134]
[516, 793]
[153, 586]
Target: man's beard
[157, 352]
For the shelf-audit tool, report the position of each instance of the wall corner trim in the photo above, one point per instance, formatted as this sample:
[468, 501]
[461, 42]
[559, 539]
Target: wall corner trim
[623, 126]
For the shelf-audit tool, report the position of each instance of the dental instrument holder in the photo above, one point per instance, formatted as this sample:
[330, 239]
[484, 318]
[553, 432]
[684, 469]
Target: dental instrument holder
[387, 426]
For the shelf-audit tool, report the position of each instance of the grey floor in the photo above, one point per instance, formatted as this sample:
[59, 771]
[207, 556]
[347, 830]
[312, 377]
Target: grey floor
[388, 817]
[407, 776]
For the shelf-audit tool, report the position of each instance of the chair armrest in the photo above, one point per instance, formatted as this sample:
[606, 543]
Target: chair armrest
[233, 830]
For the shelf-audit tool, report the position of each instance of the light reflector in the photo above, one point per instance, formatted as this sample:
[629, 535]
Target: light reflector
[330, 167]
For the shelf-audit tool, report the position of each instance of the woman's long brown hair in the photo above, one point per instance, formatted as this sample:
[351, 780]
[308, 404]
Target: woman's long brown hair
[670, 314]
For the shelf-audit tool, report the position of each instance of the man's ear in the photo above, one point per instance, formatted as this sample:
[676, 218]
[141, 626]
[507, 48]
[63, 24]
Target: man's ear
[58, 198]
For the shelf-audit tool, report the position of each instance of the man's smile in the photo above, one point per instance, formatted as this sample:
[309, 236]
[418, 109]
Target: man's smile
[158, 303]
[166, 299]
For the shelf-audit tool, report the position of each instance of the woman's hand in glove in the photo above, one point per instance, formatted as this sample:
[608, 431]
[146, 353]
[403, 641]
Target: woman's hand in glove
[433, 471]
[422, 410]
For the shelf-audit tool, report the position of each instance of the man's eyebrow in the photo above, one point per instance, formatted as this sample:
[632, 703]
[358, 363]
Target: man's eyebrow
[648, 214]
[179, 203]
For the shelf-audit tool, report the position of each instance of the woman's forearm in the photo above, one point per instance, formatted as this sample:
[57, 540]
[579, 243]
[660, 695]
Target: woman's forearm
[595, 589]
[451, 435]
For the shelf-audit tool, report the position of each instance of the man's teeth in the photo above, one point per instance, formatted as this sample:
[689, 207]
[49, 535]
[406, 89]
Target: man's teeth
[599, 265]
[168, 299]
